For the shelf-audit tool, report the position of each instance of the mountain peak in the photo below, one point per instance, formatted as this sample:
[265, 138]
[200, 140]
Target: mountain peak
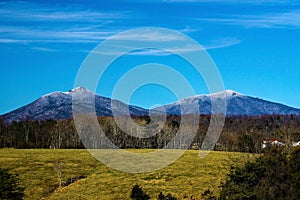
[226, 94]
[79, 89]
[237, 105]
[58, 105]
[232, 93]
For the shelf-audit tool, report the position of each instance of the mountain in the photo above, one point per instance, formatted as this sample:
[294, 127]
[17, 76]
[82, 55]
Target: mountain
[58, 105]
[236, 105]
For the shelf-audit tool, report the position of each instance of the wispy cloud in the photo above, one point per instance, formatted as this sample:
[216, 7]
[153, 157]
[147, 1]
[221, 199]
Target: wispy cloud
[26, 22]
[41, 35]
[8, 40]
[151, 51]
[188, 48]
[235, 1]
[219, 1]
[189, 30]
[149, 35]
[214, 44]
[269, 20]
[27, 11]
[44, 49]
[167, 51]
[222, 43]
[37, 24]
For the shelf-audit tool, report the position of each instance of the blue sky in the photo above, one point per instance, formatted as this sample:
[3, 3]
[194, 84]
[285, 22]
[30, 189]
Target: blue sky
[254, 43]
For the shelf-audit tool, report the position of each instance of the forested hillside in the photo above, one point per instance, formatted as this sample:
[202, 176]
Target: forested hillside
[244, 134]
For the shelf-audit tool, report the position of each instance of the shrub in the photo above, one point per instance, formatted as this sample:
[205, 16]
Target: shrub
[208, 195]
[272, 176]
[138, 194]
[9, 186]
[161, 196]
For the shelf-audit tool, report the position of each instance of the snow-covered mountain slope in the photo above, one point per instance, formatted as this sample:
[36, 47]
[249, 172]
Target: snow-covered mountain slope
[58, 105]
[236, 104]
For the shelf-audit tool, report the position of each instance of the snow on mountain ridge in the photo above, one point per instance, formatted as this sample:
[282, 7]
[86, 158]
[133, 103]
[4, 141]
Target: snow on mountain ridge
[236, 104]
[58, 105]
[79, 90]
[220, 94]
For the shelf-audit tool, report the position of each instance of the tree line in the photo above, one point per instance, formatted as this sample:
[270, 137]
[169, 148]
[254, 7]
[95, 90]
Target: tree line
[241, 133]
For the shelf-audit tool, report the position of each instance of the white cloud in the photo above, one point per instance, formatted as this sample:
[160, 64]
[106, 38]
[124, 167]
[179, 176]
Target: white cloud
[270, 20]
[168, 51]
[151, 35]
[218, 1]
[26, 22]
[8, 40]
[29, 34]
[43, 49]
[214, 44]
[189, 30]
[27, 11]
[222, 43]
[235, 1]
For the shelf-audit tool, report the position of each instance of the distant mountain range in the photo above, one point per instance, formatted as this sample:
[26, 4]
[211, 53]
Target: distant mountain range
[58, 105]
[236, 105]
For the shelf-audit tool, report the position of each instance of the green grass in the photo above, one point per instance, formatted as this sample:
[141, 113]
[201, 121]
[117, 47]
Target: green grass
[189, 175]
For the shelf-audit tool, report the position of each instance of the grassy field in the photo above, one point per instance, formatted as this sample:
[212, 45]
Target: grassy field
[189, 175]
